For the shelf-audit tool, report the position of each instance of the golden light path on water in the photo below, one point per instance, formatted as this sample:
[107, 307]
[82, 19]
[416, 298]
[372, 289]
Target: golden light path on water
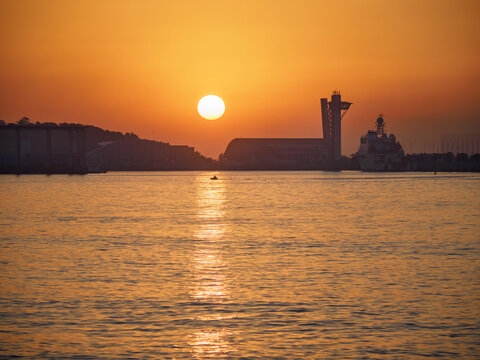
[210, 283]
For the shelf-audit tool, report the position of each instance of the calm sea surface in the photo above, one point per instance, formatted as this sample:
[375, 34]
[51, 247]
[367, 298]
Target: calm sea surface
[255, 265]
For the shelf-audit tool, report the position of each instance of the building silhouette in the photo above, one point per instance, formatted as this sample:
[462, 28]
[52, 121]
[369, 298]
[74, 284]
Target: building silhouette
[332, 114]
[44, 149]
[293, 153]
[133, 154]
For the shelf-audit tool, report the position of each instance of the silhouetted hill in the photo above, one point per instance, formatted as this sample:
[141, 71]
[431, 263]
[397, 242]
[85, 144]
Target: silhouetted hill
[113, 150]
[96, 135]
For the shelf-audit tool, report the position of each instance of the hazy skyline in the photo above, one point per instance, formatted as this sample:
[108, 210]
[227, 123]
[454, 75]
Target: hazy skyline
[143, 67]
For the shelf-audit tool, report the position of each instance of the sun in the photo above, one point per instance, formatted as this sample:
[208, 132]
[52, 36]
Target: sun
[211, 107]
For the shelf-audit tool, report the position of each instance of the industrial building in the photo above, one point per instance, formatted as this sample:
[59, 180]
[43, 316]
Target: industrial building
[144, 155]
[42, 149]
[293, 153]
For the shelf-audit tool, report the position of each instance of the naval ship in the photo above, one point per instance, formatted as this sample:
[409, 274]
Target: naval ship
[379, 151]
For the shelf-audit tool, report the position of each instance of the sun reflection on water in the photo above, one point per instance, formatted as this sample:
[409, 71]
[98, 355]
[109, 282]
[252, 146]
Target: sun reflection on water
[212, 344]
[210, 282]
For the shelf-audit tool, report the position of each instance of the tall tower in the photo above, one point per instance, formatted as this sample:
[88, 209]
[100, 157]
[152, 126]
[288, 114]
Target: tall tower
[332, 113]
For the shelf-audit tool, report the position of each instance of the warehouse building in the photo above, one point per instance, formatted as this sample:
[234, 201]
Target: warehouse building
[42, 149]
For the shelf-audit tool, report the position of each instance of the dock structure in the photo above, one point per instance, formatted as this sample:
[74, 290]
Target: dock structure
[42, 149]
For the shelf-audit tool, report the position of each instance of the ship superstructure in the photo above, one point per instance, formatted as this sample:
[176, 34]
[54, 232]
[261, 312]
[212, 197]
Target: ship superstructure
[379, 151]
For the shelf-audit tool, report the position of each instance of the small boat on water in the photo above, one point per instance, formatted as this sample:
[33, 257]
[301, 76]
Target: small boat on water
[214, 177]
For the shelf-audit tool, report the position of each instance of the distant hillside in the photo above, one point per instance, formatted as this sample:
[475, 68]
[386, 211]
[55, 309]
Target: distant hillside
[109, 150]
[96, 135]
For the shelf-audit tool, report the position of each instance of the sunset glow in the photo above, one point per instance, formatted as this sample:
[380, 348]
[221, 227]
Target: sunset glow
[142, 66]
[239, 179]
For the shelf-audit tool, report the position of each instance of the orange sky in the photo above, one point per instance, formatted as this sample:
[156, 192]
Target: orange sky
[142, 66]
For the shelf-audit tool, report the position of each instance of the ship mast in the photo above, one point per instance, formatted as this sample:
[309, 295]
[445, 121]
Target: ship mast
[380, 126]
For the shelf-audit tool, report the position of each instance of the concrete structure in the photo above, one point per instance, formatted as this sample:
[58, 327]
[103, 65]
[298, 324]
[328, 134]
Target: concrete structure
[42, 149]
[144, 155]
[293, 153]
[332, 114]
[275, 154]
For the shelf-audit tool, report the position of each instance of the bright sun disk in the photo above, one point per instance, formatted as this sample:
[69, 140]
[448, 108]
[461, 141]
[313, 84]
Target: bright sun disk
[211, 107]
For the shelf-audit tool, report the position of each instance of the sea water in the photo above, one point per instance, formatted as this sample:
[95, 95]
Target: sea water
[254, 265]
